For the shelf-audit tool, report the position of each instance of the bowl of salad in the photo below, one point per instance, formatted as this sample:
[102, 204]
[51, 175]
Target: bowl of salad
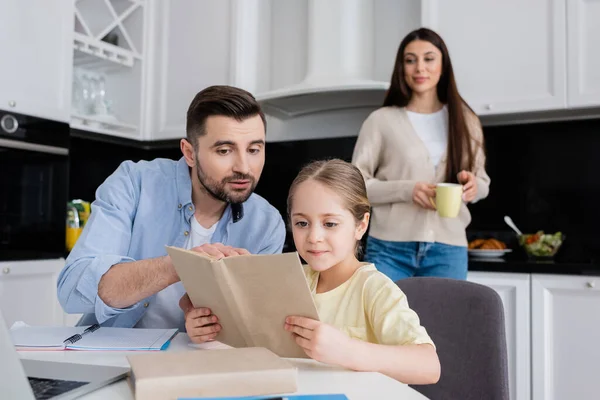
[540, 244]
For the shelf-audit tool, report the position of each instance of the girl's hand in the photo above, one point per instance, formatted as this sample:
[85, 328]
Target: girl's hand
[201, 325]
[422, 195]
[320, 341]
[467, 179]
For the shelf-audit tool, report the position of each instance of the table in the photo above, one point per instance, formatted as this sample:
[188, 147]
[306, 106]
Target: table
[313, 377]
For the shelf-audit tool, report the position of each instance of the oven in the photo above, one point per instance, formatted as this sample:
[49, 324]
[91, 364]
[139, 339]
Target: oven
[34, 163]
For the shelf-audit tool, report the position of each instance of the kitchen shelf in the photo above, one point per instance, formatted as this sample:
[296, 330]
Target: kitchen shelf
[95, 54]
[92, 123]
[109, 45]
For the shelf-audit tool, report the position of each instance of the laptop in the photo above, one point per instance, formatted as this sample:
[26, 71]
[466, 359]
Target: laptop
[34, 379]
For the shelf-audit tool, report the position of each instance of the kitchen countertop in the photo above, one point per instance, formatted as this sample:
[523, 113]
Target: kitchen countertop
[514, 262]
[575, 257]
[523, 265]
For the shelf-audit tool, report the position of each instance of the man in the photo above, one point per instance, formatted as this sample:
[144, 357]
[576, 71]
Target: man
[119, 273]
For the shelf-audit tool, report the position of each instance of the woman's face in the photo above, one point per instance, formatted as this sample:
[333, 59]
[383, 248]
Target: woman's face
[422, 66]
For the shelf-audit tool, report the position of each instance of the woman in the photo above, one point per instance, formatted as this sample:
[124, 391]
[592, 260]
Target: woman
[424, 134]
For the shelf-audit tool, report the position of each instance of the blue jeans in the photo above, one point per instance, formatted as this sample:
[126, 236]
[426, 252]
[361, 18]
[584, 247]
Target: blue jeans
[400, 260]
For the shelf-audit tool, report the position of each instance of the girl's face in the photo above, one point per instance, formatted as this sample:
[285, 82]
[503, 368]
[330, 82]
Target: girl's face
[422, 66]
[325, 232]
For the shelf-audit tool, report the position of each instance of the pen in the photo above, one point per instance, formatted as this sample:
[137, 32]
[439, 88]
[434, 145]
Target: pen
[78, 336]
[91, 329]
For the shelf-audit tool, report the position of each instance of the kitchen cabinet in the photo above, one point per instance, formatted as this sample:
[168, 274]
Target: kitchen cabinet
[109, 52]
[514, 290]
[583, 61]
[191, 42]
[35, 75]
[28, 292]
[258, 45]
[508, 56]
[565, 331]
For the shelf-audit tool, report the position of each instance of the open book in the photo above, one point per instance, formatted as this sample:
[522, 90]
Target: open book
[251, 295]
[92, 337]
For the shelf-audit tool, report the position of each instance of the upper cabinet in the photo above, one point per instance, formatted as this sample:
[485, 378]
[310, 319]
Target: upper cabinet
[508, 56]
[191, 49]
[35, 75]
[109, 57]
[130, 68]
[583, 61]
[264, 46]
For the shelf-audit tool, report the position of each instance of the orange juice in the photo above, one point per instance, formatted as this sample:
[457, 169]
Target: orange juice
[72, 236]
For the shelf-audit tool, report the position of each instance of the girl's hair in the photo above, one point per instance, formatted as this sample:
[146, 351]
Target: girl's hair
[341, 177]
[461, 154]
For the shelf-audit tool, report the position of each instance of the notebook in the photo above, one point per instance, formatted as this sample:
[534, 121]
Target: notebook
[251, 295]
[93, 337]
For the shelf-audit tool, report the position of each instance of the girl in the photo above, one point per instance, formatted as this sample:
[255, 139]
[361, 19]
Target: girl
[424, 134]
[366, 324]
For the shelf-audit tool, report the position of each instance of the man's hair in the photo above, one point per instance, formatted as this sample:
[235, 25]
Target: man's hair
[227, 101]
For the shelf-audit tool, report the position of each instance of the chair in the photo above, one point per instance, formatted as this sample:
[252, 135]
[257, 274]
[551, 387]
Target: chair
[466, 322]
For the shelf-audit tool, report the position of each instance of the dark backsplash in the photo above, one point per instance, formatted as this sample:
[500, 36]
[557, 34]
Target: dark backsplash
[543, 176]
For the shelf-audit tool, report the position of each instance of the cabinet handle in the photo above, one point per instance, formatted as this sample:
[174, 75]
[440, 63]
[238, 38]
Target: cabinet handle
[12, 103]
[591, 284]
[6, 271]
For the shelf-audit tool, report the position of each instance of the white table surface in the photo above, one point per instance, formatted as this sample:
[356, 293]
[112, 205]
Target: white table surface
[313, 377]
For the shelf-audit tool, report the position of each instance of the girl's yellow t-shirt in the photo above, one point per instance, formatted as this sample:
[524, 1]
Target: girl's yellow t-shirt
[370, 307]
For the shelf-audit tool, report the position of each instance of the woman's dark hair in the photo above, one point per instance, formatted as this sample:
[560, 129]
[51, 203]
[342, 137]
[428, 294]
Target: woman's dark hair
[460, 152]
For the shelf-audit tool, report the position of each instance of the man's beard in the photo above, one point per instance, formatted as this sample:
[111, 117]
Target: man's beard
[219, 191]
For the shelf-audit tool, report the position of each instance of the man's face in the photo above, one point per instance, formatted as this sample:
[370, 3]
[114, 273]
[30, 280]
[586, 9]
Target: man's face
[230, 157]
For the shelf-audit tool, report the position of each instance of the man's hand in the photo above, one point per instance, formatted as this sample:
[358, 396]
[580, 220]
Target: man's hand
[219, 250]
[320, 341]
[201, 325]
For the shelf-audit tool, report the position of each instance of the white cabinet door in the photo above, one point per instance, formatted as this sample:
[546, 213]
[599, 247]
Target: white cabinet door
[565, 332]
[508, 56]
[514, 289]
[583, 41]
[37, 52]
[28, 292]
[190, 47]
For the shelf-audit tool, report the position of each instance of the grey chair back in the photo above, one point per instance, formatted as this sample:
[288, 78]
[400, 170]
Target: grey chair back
[466, 322]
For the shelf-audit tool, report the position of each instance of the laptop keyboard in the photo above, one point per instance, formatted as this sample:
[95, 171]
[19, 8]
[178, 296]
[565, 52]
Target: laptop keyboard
[48, 388]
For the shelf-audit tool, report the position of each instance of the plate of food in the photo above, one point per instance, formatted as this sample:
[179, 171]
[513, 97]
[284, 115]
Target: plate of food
[488, 248]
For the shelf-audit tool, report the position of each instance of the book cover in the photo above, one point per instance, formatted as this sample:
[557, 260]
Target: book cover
[230, 372]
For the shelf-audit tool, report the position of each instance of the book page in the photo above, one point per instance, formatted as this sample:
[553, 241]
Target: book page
[197, 273]
[268, 288]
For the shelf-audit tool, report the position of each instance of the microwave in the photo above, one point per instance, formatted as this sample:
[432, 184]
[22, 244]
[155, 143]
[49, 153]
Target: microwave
[34, 166]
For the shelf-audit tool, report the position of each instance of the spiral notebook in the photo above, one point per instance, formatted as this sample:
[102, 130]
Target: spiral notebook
[93, 337]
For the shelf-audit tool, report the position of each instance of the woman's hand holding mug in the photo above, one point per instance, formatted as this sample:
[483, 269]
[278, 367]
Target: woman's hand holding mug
[467, 179]
[423, 192]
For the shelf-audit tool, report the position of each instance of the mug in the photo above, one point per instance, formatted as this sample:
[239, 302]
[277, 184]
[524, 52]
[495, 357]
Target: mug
[448, 198]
